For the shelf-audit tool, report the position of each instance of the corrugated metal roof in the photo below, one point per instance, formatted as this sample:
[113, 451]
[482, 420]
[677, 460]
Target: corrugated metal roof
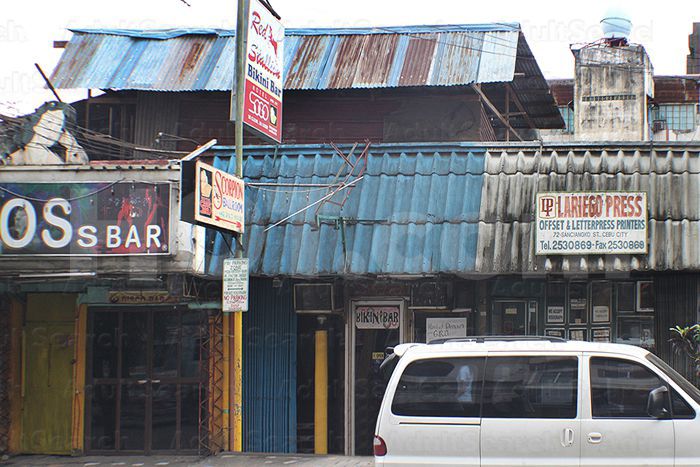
[458, 208]
[203, 59]
[670, 177]
[414, 212]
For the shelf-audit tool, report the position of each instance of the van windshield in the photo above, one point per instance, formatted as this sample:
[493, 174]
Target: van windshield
[686, 385]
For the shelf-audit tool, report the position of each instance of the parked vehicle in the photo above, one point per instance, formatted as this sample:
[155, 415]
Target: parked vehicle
[495, 401]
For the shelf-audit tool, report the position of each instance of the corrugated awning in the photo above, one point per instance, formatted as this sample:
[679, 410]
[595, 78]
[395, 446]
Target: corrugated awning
[457, 209]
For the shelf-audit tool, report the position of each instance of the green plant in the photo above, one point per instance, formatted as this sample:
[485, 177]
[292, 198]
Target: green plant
[686, 341]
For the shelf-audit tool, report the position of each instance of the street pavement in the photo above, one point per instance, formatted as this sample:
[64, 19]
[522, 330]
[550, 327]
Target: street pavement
[224, 459]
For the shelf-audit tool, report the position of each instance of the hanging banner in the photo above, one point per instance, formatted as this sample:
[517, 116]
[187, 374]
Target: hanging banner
[84, 219]
[262, 107]
[235, 285]
[377, 317]
[219, 198]
[602, 223]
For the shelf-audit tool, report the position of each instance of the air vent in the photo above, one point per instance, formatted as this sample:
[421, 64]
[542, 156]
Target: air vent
[318, 298]
[431, 294]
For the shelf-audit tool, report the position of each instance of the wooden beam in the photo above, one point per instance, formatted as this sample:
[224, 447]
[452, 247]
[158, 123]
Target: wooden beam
[520, 106]
[495, 110]
[15, 382]
[80, 346]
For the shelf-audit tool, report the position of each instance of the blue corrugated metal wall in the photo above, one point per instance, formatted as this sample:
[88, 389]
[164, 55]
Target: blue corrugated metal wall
[269, 369]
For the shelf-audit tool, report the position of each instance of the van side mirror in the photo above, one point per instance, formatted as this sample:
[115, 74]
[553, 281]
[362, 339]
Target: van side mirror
[657, 405]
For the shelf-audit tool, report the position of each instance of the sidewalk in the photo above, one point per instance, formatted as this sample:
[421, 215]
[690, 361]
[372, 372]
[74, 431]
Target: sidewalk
[223, 459]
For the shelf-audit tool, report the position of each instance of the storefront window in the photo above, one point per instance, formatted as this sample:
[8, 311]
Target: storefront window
[578, 303]
[601, 298]
[556, 293]
[625, 297]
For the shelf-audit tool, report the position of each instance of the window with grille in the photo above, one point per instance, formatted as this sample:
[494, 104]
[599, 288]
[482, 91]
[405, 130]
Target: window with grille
[680, 117]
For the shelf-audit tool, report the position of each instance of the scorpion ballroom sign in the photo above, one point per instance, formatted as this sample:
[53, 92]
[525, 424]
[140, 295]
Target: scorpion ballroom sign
[262, 106]
[88, 219]
[600, 223]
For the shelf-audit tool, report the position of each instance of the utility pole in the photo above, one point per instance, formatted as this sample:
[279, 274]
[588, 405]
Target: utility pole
[237, 327]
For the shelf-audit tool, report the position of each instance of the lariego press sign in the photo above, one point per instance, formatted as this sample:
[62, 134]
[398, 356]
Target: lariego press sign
[262, 105]
[591, 223]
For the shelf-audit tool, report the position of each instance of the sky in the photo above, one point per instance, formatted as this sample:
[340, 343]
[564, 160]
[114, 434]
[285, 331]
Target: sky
[29, 27]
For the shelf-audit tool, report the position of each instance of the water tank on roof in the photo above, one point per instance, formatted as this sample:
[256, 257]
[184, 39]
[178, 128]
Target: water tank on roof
[616, 24]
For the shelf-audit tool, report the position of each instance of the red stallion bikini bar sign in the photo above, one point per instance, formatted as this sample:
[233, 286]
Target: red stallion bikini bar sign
[262, 110]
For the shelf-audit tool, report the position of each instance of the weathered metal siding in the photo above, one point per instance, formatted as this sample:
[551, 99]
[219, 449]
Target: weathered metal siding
[314, 59]
[414, 212]
[269, 369]
[155, 113]
[670, 176]
[676, 305]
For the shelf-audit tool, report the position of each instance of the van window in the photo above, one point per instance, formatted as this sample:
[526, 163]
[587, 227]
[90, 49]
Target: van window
[440, 387]
[531, 387]
[691, 390]
[620, 388]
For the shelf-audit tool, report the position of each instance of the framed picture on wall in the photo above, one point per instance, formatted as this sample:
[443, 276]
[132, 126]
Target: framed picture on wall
[645, 296]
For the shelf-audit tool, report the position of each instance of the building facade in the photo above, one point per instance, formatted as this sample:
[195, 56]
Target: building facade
[401, 206]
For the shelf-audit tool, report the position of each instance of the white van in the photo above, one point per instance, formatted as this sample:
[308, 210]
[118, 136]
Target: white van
[535, 401]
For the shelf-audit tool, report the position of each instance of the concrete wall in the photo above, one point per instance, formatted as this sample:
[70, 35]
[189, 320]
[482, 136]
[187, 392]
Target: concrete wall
[610, 93]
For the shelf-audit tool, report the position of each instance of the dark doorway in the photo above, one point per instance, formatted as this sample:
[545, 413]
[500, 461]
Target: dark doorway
[307, 326]
[509, 318]
[377, 327]
[145, 380]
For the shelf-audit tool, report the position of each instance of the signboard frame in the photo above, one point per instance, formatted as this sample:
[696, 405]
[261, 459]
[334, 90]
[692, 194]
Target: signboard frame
[264, 81]
[190, 191]
[99, 187]
[599, 245]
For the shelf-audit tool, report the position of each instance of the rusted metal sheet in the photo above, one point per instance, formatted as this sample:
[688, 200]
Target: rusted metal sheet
[306, 64]
[375, 60]
[418, 59]
[179, 60]
[315, 59]
[349, 52]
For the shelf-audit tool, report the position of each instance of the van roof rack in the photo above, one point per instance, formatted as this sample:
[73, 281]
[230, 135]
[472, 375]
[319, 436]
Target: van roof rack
[498, 338]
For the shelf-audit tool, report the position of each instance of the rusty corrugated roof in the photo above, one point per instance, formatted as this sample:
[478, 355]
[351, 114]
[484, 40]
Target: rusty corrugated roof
[202, 59]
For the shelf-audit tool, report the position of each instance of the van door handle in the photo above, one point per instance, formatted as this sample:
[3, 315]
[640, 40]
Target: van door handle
[595, 438]
[567, 438]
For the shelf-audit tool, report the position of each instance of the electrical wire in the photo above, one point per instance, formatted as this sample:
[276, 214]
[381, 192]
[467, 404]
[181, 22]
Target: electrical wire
[39, 200]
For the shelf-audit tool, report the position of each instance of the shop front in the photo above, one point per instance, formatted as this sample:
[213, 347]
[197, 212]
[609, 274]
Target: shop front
[439, 241]
[104, 346]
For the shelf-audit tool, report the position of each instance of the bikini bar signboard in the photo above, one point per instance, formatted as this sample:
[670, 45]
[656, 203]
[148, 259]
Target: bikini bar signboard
[602, 223]
[84, 219]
